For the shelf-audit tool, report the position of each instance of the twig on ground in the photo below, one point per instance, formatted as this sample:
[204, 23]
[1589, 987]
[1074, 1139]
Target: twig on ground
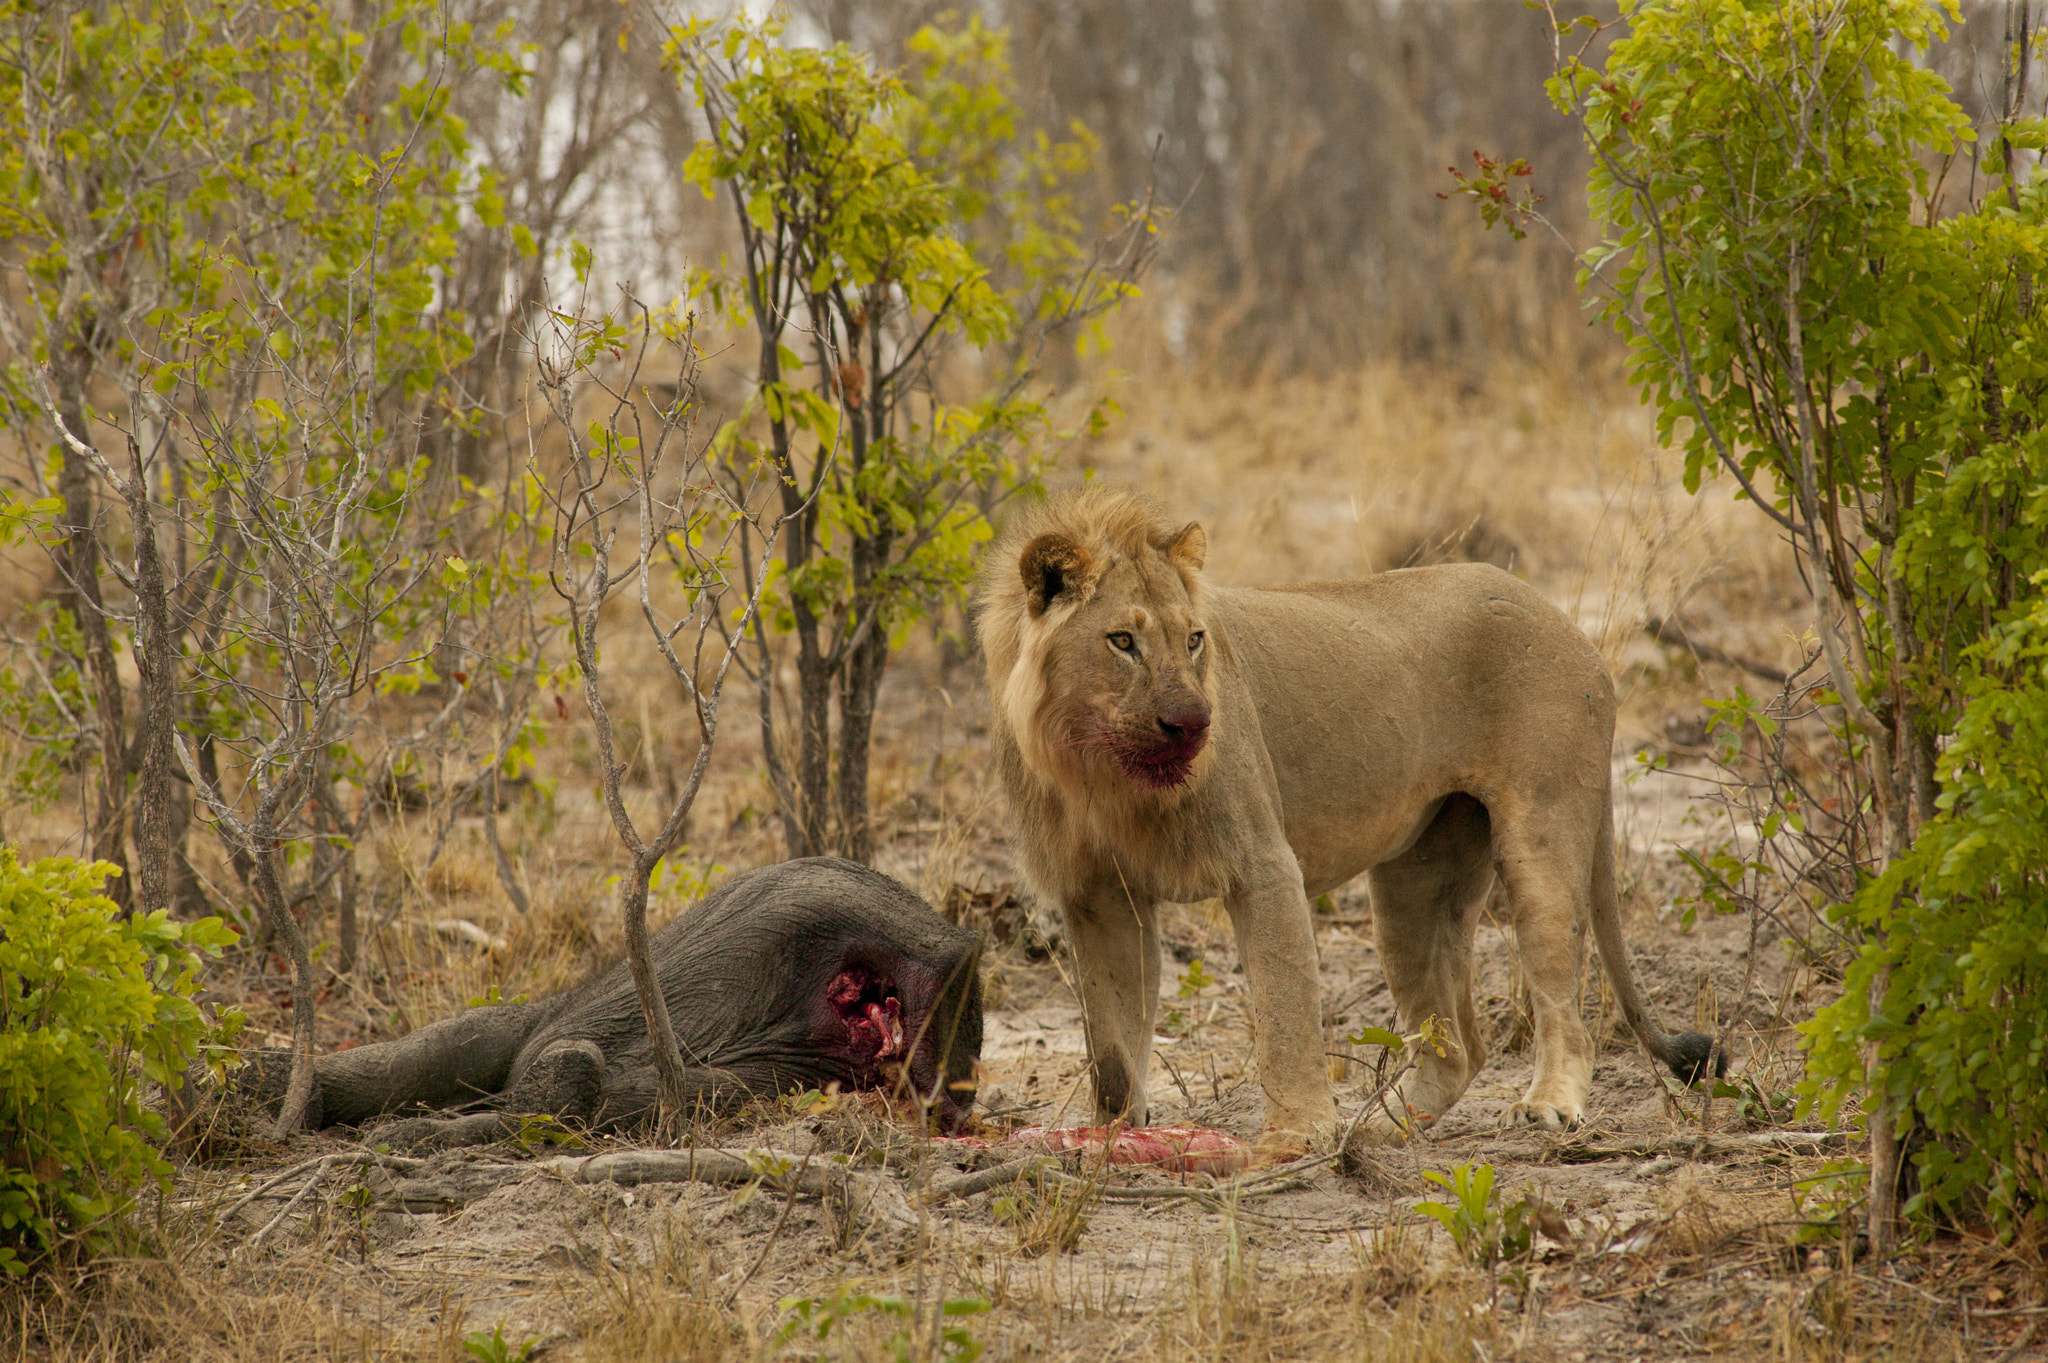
[967, 1185]
[289, 1207]
[2019, 1345]
[628, 1168]
[1698, 1146]
[1377, 1097]
[397, 1163]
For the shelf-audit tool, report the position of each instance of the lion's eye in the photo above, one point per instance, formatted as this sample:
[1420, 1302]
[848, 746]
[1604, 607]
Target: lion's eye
[1122, 642]
[1195, 642]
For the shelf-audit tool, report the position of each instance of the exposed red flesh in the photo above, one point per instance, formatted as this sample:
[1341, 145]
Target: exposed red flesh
[874, 1025]
[844, 991]
[888, 1025]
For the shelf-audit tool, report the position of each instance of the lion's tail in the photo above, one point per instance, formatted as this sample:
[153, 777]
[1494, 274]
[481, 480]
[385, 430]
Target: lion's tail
[1688, 1053]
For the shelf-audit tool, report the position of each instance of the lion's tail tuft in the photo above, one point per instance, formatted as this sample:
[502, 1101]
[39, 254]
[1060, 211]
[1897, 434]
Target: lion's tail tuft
[1690, 1054]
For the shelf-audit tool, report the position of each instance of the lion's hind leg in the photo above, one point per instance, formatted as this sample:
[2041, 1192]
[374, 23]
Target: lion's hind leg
[1425, 906]
[1546, 864]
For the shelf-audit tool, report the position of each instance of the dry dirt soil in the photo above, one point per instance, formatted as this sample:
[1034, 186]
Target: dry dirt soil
[1669, 1228]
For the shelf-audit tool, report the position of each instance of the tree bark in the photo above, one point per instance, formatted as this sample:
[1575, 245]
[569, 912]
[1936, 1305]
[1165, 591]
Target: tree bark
[806, 833]
[860, 684]
[78, 558]
[668, 1056]
[861, 666]
[284, 928]
[156, 660]
[1840, 654]
[1883, 1225]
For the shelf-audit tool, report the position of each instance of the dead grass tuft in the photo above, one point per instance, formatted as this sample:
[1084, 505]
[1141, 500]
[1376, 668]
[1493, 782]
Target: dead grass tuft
[1049, 1215]
[1389, 1307]
[665, 1306]
[178, 1303]
[1393, 1262]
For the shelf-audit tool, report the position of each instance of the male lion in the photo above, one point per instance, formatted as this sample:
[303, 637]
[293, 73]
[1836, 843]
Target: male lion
[1163, 739]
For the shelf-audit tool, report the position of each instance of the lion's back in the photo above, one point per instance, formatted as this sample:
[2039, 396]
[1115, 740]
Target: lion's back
[1453, 628]
[1382, 693]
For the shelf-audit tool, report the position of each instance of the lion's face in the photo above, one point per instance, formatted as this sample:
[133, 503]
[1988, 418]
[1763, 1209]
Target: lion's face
[1115, 668]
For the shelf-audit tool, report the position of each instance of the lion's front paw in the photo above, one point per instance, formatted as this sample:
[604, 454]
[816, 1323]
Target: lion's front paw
[1566, 1115]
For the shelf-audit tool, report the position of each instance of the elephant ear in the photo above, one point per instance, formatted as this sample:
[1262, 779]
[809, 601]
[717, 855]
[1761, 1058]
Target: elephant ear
[1189, 548]
[1052, 565]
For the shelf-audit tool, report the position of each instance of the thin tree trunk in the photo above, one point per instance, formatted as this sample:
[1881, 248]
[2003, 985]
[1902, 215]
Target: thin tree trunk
[156, 660]
[1883, 1225]
[1884, 1145]
[78, 556]
[668, 1062]
[764, 704]
[861, 667]
[513, 890]
[814, 751]
[188, 895]
[860, 684]
[284, 928]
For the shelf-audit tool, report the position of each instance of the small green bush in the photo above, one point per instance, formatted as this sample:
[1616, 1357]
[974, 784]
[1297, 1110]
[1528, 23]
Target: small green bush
[1866, 357]
[1958, 928]
[92, 1005]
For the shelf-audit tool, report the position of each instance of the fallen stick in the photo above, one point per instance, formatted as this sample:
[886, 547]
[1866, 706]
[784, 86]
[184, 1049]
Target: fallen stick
[1745, 1143]
[967, 1185]
[1672, 633]
[298, 1197]
[394, 1162]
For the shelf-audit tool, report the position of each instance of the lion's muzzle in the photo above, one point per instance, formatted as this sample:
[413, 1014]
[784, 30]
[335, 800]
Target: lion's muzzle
[1163, 757]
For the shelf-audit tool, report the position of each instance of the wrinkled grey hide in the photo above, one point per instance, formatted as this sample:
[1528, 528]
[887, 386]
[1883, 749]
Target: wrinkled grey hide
[791, 977]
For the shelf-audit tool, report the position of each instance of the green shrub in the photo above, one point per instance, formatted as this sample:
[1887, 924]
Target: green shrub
[92, 1005]
[1865, 356]
[1959, 928]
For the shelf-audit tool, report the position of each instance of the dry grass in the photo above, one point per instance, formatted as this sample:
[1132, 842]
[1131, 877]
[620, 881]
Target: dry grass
[1553, 476]
[665, 1307]
[1049, 1217]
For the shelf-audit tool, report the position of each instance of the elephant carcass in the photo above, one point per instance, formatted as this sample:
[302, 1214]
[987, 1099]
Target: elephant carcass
[791, 977]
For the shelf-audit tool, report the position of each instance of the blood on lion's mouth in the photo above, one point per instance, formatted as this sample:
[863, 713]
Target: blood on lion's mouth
[1162, 766]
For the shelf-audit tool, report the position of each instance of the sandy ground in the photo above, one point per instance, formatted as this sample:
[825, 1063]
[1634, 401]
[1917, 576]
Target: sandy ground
[1667, 1255]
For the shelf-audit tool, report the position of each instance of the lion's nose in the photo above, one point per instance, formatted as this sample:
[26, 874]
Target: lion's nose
[1192, 722]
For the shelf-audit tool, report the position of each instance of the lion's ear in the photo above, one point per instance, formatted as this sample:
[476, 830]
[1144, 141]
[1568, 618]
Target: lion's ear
[1050, 564]
[1190, 546]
